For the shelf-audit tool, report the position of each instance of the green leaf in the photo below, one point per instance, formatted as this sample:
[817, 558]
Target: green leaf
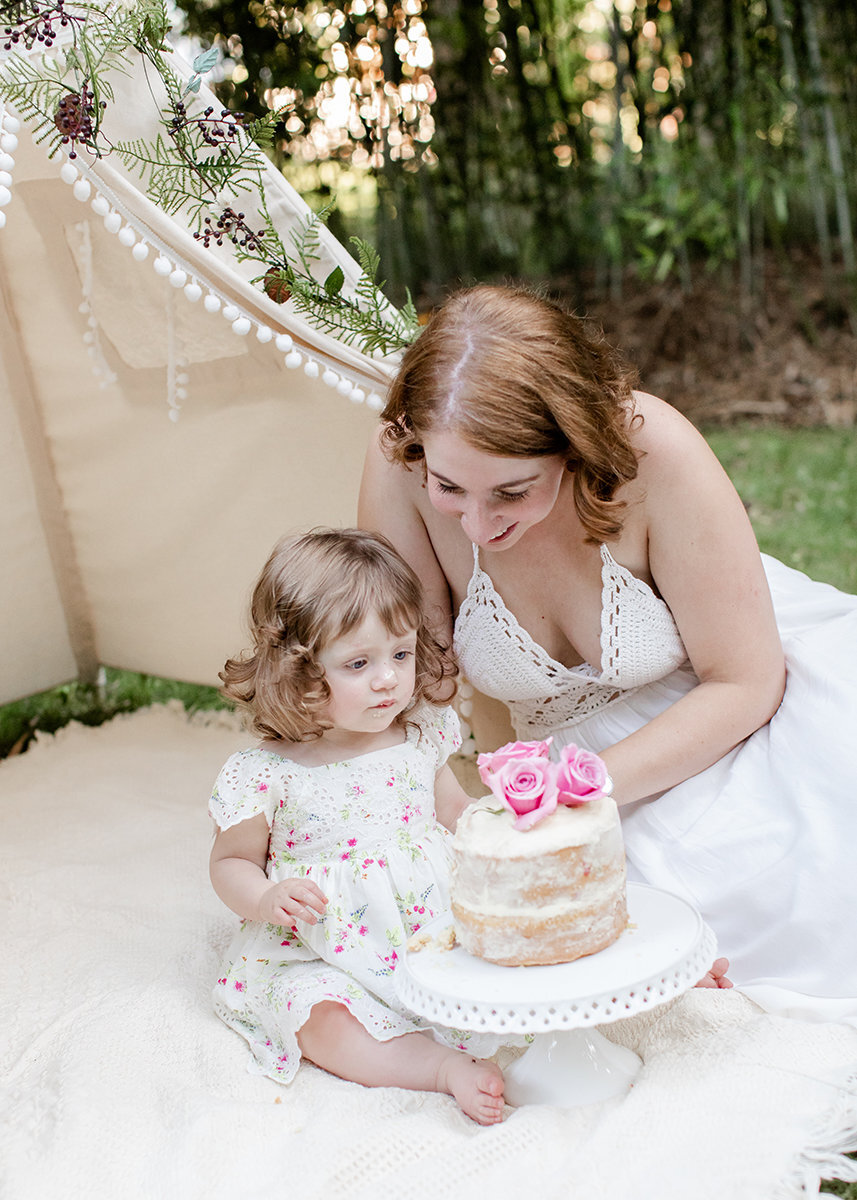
[333, 283]
[204, 62]
[193, 85]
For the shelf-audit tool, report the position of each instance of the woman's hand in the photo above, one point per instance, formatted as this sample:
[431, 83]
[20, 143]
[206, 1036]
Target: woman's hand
[715, 977]
[290, 900]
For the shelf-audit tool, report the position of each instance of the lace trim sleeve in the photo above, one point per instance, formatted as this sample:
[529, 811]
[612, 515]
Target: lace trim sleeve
[439, 729]
[247, 784]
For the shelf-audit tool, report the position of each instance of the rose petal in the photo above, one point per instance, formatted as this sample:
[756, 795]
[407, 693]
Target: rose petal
[581, 775]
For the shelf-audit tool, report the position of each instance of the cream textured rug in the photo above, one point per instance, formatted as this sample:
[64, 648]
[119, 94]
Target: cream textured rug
[119, 1082]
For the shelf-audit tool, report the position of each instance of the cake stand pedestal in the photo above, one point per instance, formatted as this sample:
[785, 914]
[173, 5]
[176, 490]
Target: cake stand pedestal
[665, 950]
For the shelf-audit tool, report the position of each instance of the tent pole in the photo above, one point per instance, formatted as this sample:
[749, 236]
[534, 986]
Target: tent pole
[49, 498]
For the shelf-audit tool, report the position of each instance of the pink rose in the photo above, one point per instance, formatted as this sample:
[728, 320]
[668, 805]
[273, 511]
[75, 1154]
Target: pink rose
[509, 753]
[581, 775]
[527, 787]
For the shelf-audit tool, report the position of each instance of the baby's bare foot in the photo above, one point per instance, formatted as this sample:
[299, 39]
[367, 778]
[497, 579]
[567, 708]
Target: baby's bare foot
[476, 1084]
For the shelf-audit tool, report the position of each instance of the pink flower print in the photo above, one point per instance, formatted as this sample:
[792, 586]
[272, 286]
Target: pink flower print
[263, 787]
[368, 862]
[382, 862]
[344, 857]
[338, 949]
[391, 782]
[363, 930]
[239, 986]
[358, 789]
[352, 841]
[223, 980]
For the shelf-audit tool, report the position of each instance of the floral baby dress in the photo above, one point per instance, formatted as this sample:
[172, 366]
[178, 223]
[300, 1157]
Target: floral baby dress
[365, 831]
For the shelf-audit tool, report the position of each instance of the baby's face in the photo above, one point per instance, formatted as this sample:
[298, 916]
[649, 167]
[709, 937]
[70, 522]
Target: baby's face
[371, 675]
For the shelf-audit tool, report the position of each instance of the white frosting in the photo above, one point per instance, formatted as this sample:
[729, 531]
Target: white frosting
[484, 830]
[564, 876]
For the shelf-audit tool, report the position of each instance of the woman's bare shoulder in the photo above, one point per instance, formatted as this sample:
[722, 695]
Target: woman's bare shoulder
[380, 471]
[669, 447]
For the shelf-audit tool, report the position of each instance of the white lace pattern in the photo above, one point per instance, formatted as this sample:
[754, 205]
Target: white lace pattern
[639, 643]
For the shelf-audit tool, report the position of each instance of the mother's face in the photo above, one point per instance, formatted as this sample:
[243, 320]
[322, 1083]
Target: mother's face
[496, 499]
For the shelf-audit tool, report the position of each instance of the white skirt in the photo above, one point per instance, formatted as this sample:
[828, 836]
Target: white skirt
[764, 842]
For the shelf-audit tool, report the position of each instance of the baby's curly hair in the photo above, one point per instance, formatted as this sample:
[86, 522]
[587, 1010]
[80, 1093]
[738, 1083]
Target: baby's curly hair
[312, 590]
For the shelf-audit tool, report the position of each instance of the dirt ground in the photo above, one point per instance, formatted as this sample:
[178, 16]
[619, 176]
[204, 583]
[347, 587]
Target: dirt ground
[790, 359]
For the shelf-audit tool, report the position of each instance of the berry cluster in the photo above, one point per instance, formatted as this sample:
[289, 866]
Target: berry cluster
[231, 225]
[74, 118]
[35, 23]
[217, 132]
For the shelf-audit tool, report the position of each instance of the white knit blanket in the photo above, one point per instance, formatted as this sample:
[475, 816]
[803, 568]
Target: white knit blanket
[119, 1081]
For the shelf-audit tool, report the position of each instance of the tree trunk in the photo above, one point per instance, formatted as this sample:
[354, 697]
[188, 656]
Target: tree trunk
[807, 142]
[831, 137]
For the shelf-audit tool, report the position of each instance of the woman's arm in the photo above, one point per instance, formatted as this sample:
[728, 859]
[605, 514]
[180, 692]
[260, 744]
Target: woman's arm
[705, 561]
[387, 505]
[237, 870]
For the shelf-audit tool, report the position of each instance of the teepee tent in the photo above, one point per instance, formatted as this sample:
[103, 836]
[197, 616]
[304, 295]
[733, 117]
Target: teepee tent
[163, 420]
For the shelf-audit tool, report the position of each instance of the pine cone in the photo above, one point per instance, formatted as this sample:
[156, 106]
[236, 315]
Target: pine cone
[276, 285]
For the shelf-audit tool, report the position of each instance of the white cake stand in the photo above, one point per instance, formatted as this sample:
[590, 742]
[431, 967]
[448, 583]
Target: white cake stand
[664, 951]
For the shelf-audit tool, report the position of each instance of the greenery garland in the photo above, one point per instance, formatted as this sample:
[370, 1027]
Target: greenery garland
[200, 162]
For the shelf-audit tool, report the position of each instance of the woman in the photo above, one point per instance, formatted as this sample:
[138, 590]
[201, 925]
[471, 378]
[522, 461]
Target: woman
[604, 583]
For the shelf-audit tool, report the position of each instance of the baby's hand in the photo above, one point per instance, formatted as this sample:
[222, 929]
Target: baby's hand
[289, 899]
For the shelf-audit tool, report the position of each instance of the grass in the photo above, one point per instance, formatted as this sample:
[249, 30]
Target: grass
[92, 704]
[800, 488]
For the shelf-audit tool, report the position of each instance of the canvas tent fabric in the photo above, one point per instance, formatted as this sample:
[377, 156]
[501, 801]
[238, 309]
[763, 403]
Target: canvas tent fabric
[149, 455]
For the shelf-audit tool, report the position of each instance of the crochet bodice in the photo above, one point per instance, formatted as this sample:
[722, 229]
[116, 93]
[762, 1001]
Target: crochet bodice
[639, 643]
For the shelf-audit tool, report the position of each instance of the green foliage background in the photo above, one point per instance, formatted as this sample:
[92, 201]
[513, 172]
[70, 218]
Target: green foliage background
[570, 139]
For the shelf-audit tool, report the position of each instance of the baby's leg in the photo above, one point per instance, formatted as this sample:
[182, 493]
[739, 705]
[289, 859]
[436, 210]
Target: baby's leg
[334, 1039]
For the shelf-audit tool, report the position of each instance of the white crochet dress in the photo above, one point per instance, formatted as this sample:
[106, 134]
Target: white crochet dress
[764, 842]
[365, 831]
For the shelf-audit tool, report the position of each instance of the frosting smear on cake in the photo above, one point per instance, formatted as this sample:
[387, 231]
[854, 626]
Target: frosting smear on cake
[549, 894]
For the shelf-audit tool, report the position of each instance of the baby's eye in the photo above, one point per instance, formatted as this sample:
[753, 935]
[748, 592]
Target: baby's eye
[401, 655]
[511, 497]
[356, 664]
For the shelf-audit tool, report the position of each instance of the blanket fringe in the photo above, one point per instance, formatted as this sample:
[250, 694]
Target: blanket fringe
[828, 1150]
